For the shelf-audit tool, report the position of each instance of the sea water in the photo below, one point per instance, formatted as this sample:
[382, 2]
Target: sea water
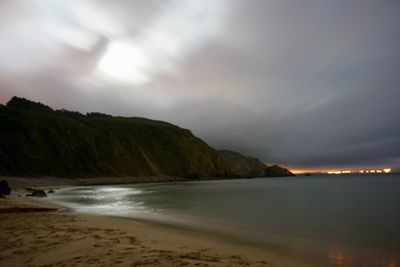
[348, 220]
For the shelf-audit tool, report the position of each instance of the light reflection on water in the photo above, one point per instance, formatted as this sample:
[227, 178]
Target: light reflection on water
[337, 257]
[118, 201]
[341, 221]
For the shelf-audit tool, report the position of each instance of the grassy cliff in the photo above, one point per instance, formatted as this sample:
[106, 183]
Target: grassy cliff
[243, 166]
[38, 141]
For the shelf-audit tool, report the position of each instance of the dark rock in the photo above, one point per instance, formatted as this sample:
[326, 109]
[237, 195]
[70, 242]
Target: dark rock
[4, 188]
[51, 191]
[35, 192]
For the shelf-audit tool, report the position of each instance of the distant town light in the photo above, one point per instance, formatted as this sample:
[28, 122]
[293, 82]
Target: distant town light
[386, 170]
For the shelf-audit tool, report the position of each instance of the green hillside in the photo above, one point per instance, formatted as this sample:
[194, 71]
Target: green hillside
[38, 141]
[244, 166]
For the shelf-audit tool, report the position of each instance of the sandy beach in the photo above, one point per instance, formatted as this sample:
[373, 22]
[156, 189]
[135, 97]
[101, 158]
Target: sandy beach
[34, 234]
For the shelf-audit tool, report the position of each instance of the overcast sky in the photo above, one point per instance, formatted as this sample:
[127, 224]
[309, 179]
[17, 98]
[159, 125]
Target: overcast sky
[306, 84]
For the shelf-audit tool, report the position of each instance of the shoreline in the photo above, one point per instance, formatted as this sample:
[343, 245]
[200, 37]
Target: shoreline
[21, 182]
[60, 232]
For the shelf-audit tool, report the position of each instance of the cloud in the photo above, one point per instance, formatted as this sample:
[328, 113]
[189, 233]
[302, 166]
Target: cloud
[164, 43]
[305, 83]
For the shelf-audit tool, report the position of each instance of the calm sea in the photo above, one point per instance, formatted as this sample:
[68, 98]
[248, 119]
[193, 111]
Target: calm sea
[337, 220]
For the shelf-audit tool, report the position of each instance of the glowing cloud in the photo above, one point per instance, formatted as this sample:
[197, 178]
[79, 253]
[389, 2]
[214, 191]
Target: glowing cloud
[125, 62]
[163, 44]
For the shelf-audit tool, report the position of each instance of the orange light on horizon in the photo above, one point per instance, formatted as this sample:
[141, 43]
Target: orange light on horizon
[302, 171]
[339, 171]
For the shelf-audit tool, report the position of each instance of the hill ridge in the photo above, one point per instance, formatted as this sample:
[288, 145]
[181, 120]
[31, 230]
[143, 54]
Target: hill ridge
[36, 140]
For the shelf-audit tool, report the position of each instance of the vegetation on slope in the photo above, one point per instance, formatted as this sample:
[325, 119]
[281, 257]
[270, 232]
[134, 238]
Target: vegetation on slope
[244, 166]
[38, 141]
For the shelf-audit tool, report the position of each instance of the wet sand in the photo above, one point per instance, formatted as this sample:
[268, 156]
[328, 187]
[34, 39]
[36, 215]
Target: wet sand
[33, 234]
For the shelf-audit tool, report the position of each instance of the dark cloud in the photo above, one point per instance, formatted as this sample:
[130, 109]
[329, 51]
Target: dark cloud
[310, 84]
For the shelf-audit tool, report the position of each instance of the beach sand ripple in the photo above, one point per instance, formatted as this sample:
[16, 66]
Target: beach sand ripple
[52, 238]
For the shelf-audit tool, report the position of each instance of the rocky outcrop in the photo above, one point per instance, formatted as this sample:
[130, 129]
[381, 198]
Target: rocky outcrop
[4, 188]
[35, 192]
